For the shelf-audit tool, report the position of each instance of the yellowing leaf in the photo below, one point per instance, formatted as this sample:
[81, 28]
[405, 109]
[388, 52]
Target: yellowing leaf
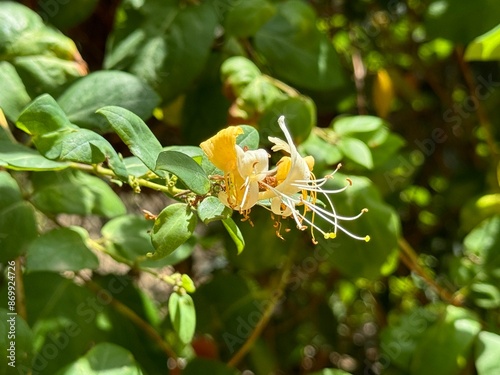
[383, 93]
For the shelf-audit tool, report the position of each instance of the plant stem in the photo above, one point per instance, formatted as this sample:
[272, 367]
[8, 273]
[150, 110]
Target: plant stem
[20, 296]
[482, 115]
[410, 259]
[136, 319]
[261, 324]
[99, 170]
[282, 86]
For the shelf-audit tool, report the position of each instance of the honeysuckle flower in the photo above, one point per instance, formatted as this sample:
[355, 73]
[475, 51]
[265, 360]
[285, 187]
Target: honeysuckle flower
[243, 169]
[296, 185]
[289, 190]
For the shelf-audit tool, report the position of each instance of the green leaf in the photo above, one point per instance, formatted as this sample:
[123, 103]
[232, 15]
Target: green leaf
[245, 18]
[44, 58]
[62, 315]
[400, 338]
[64, 15]
[295, 49]
[19, 157]
[182, 315]
[59, 250]
[356, 258]
[205, 106]
[249, 138]
[211, 209]
[168, 55]
[20, 342]
[386, 149]
[238, 72]
[446, 346]
[74, 192]
[478, 209]
[324, 153]
[486, 351]
[57, 139]
[172, 228]
[135, 167]
[483, 243]
[134, 133]
[235, 233]
[17, 220]
[300, 117]
[485, 295]
[485, 47]
[461, 22]
[128, 236]
[186, 169]
[357, 124]
[13, 96]
[357, 151]
[86, 95]
[256, 98]
[104, 358]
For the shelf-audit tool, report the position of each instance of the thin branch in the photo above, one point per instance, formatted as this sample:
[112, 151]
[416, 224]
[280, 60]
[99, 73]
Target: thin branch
[359, 80]
[289, 90]
[410, 259]
[101, 171]
[20, 296]
[261, 324]
[482, 115]
[136, 319]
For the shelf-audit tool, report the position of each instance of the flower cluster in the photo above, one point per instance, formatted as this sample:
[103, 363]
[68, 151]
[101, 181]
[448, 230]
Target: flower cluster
[288, 190]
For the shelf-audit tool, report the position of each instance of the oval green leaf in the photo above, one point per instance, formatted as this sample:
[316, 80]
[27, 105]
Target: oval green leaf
[186, 169]
[357, 151]
[486, 352]
[183, 316]
[85, 96]
[172, 228]
[357, 124]
[212, 209]
[104, 358]
[134, 133]
[297, 51]
[59, 250]
[235, 233]
[17, 219]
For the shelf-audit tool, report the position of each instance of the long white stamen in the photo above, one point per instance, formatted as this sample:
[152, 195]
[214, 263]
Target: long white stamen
[332, 214]
[246, 185]
[318, 188]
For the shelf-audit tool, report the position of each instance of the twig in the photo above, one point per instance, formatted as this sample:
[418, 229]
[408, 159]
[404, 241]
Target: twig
[289, 90]
[359, 80]
[261, 324]
[20, 296]
[101, 171]
[482, 115]
[136, 319]
[410, 259]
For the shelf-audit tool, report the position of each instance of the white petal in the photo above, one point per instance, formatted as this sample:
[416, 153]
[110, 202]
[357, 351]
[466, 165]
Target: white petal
[252, 162]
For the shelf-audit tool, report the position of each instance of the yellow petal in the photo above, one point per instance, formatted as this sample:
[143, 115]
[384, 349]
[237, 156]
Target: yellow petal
[383, 93]
[220, 149]
[310, 162]
[283, 168]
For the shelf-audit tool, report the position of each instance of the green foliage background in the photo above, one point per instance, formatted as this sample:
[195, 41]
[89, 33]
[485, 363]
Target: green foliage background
[116, 254]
